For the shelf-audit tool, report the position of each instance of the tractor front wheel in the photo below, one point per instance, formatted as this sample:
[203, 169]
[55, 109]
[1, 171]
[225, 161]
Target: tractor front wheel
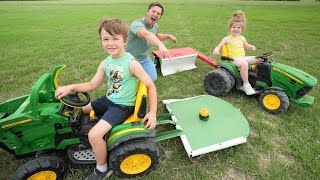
[217, 82]
[274, 101]
[134, 158]
[47, 167]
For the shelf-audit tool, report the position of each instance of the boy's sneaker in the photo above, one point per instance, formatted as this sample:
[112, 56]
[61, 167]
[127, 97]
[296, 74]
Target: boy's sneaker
[248, 89]
[97, 175]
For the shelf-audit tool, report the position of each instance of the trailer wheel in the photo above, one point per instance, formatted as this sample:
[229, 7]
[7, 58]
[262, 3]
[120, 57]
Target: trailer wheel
[134, 158]
[217, 82]
[48, 167]
[274, 101]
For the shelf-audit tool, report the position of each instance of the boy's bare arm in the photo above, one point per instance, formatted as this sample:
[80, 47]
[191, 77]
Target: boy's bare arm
[137, 70]
[82, 87]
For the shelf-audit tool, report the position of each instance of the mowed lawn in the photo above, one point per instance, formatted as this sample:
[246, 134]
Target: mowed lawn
[36, 36]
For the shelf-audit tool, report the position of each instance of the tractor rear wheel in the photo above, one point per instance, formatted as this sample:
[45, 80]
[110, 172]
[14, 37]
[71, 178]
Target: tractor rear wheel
[274, 101]
[233, 81]
[134, 158]
[46, 167]
[217, 82]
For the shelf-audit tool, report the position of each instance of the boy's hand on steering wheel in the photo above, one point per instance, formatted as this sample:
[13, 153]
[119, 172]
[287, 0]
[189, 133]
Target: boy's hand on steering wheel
[62, 91]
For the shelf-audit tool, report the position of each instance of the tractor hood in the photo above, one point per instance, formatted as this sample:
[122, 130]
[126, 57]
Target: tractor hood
[304, 77]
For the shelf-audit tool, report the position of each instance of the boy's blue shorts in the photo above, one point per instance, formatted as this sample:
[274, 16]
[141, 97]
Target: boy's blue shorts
[113, 113]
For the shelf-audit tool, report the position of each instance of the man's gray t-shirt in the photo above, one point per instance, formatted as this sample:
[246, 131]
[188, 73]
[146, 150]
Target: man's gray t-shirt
[139, 47]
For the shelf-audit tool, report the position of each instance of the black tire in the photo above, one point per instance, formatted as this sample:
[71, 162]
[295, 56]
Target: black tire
[217, 82]
[233, 81]
[145, 154]
[274, 101]
[48, 167]
[156, 61]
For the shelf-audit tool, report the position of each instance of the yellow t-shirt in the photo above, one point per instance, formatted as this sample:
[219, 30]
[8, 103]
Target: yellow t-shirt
[235, 47]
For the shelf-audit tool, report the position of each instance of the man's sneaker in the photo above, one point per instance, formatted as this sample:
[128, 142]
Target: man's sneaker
[248, 89]
[97, 175]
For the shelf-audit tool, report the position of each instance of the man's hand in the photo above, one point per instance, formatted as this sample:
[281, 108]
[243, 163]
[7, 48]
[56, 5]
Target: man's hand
[164, 51]
[172, 39]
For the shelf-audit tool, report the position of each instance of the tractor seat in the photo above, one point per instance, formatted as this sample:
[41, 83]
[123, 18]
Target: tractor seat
[140, 108]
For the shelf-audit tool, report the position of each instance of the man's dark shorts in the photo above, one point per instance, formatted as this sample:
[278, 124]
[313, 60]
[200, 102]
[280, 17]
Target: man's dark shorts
[114, 114]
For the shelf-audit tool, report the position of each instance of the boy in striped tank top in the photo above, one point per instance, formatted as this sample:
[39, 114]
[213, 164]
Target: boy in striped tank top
[123, 74]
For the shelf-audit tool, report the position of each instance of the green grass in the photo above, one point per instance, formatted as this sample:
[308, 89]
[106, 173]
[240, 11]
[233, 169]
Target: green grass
[38, 35]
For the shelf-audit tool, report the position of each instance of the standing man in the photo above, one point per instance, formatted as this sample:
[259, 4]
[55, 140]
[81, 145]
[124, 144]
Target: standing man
[143, 34]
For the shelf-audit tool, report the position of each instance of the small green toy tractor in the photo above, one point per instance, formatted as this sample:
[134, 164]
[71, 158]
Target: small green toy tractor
[276, 83]
[39, 126]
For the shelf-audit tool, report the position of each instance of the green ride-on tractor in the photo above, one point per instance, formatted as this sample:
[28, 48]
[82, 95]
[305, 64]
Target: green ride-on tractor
[275, 83]
[39, 126]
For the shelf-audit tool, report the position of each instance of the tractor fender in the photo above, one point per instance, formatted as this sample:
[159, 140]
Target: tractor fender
[125, 132]
[130, 138]
[231, 68]
[272, 87]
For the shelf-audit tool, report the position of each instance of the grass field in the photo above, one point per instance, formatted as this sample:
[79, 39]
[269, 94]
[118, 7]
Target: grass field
[36, 36]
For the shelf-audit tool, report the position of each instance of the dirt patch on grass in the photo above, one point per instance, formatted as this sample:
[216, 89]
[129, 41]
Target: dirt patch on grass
[278, 141]
[285, 159]
[234, 174]
[264, 160]
[270, 123]
[254, 133]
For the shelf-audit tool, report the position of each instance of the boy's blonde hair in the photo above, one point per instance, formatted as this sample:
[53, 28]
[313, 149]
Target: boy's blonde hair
[114, 26]
[238, 17]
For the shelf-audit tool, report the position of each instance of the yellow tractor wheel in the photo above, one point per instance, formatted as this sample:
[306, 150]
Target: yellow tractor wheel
[274, 101]
[46, 167]
[134, 158]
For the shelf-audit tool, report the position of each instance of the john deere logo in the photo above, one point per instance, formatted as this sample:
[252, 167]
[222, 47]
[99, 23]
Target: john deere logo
[16, 123]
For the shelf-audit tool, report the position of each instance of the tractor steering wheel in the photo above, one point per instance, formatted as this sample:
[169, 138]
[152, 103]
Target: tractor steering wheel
[225, 58]
[78, 99]
[264, 55]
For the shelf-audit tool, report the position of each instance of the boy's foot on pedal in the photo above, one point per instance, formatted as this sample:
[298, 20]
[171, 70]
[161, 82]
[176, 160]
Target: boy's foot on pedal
[97, 175]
